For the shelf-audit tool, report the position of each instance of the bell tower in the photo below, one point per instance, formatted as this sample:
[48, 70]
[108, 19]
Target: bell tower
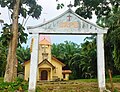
[44, 48]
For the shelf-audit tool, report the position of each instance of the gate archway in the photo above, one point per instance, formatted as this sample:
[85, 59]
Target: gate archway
[71, 24]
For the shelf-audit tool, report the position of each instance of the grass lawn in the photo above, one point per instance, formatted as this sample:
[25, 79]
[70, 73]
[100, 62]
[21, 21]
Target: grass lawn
[80, 85]
[68, 86]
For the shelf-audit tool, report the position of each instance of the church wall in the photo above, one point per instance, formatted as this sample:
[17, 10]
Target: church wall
[49, 53]
[58, 69]
[38, 75]
[27, 71]
[48, 50]
[45, 66]
[40, 54]
[66, 77]
[56, 73]
[52, 73]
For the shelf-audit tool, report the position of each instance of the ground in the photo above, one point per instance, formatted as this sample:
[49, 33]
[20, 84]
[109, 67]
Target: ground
[70, 86]
[81, 85]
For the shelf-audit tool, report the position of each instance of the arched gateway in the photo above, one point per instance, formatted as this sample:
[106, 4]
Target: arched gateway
[71, 24]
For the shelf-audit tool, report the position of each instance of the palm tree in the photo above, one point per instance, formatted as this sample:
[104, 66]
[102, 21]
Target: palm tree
[88, 59]
[112, 39]
[23, 54]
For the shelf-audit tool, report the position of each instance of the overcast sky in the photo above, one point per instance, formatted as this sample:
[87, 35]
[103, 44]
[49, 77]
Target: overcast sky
[49, 12]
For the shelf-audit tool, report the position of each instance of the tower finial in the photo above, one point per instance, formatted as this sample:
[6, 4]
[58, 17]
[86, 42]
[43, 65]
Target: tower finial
[70, 5]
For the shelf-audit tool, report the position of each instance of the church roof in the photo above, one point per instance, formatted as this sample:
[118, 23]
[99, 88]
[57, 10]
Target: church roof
[45, 42]
[66, 71]
[45, 39]
[58, 61]
[25, 62]
[45, 61]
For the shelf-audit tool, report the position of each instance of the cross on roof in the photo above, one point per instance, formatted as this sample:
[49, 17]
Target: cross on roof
[69, 17]
[70, 5]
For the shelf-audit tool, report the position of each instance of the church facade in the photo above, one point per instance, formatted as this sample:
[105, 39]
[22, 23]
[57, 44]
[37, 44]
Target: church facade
[49, 67]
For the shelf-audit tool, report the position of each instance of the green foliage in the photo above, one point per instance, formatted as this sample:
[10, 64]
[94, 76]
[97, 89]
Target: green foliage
[22, 35]
[112, 39]
[116, 76]
[1, 79]
[7, 35]
[88, 59]
[26, 8]
[108, 15]
[115, 90]
[3, 57]
[18, 85]
[60, 6]
[101, 8]
[33, 9]
[23, 54]
[80, 59]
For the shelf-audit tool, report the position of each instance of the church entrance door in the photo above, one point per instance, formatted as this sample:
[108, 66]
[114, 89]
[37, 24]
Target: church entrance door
[44, 75]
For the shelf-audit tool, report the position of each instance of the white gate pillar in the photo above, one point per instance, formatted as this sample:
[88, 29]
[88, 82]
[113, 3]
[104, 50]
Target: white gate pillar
[33, 64]
[100, 62]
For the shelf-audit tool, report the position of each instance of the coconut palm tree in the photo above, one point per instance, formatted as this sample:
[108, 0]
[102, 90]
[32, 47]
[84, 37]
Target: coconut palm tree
[23, 54]
[112, 39]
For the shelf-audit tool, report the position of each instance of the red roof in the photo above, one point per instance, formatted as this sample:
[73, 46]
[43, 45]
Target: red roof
[45, 39]
[66, 71]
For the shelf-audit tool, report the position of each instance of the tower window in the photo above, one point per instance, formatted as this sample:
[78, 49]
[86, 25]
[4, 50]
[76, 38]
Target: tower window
[45, 55]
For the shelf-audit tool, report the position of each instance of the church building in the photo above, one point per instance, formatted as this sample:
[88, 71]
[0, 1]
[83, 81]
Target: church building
[49, 67]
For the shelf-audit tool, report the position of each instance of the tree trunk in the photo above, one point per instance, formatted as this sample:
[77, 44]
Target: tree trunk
[11, 58]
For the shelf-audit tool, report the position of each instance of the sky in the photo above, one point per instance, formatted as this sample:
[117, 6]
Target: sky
[49, 12]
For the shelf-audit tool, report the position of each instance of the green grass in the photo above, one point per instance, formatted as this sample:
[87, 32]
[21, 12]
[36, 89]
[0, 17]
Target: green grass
[114, 79]
[87, 80]
[79, 85]
[116, 76]
[1, 79]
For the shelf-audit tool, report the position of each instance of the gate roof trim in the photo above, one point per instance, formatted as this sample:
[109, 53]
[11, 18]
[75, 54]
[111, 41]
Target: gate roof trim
[31, 28]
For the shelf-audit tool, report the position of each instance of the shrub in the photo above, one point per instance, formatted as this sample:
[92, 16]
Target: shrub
[18, 85]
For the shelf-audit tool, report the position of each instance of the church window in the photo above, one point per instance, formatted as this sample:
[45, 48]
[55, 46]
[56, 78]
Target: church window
[45, 55]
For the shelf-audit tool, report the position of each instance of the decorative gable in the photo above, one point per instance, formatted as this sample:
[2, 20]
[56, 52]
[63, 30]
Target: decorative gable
[45, 61]
[68, 22]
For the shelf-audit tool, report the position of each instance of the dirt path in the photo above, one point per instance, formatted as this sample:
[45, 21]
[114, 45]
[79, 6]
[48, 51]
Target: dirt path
[72, 86]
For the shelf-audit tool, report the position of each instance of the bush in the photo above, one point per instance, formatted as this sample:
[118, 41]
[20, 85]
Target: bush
[18, 85]
[116, 76]
[115, 90]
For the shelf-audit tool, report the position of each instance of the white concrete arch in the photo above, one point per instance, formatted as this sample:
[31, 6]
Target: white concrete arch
[67, 23]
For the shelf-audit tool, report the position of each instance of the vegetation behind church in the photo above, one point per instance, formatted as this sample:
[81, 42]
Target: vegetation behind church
[80, 58]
